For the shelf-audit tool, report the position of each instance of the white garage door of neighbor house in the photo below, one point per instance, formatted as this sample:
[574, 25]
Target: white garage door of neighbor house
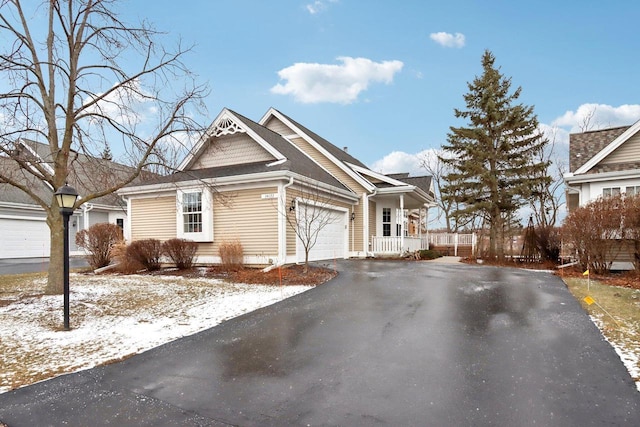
[332, 238]
[24, 238]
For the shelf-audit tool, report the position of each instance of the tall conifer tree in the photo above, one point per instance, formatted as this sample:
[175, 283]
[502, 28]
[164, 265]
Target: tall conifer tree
[492, 161]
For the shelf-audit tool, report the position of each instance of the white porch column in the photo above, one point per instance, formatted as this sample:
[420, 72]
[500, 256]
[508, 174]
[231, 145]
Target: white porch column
[401, 222]
[426, 226]
[365, 225]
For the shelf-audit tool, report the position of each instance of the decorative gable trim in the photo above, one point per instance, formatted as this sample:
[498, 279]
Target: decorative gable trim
[226, 123]
[226, 126]
[299, 133]
[610, 148]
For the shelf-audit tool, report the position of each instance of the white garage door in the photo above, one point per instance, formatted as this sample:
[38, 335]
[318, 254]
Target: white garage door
[24, 238]
[332, 237]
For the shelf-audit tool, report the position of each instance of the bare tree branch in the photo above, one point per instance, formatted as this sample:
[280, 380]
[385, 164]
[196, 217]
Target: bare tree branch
[83, 82]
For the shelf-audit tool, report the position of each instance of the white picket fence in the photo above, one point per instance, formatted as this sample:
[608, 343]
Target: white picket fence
[396, 245]
[454, 240]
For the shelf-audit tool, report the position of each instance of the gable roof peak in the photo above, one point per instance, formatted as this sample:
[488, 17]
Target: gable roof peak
[625, 132]
[225, 124]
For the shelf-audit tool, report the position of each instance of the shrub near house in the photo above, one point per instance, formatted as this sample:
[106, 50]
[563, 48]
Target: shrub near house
[603, 231]
[98, 240]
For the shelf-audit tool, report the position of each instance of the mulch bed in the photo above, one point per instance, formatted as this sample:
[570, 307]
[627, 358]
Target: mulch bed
[291, 275]
[629, 279]
[286, 275]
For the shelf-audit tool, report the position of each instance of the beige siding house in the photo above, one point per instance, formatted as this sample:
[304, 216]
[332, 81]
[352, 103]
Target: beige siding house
[263, 183]
[602, 163]
[23, 226]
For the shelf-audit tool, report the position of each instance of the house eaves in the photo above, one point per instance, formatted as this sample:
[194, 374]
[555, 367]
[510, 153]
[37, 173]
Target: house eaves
[610, 148]
[224, 115]
[401, 190]
[21, 206]
[229, 182]
[305, 134]
[376, 175]
[572, 178]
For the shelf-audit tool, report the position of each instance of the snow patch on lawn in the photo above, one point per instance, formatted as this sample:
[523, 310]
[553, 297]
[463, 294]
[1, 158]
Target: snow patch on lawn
[627, 351]
[112, 317]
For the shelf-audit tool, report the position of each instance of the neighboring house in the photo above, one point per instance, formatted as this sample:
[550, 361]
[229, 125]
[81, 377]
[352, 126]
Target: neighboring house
[244, 178]
[23, 227]
[603, 163]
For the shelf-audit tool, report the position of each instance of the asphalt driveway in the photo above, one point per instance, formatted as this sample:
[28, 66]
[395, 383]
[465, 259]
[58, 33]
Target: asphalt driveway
[386, 343]
[35, 265]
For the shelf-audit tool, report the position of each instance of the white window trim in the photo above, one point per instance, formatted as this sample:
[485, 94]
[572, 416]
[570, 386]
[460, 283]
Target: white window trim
[206, 235]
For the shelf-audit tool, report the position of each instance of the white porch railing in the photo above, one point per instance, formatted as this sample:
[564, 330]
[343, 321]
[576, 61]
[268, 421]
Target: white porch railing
[396, 245]
[453, 239]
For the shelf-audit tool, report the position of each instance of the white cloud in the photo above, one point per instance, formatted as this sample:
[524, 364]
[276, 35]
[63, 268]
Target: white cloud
[318, 6]
[313, 83]
[448, 39]
[554, 133]
[399, 161]
[597, 116]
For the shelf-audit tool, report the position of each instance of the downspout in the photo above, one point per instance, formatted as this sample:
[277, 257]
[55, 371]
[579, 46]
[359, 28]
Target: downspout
[85, 215]
[127, 223]
[282, 224]
[365, 225]
[579, 190]
[352, 225]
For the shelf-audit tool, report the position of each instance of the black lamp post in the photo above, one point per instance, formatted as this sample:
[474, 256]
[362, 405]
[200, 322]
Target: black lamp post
[66, 197]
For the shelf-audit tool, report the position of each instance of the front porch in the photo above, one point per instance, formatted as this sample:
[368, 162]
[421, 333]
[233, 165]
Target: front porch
[387, 245]
[447, 243]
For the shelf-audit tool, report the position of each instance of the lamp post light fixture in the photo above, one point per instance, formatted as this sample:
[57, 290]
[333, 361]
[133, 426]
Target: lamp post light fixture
[66, 197]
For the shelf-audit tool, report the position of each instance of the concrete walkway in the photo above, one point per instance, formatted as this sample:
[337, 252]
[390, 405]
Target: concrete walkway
[386, 343]
[446, 260]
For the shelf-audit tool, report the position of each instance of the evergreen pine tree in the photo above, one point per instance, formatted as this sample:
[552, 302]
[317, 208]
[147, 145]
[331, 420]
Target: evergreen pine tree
[491, 159]
[106, 154]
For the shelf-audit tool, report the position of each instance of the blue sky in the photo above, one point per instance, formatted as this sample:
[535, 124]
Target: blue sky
[383, 77]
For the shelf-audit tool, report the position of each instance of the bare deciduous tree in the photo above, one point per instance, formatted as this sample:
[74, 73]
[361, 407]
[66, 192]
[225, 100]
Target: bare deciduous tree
[81, 80]
[308, 214]
[547, 197]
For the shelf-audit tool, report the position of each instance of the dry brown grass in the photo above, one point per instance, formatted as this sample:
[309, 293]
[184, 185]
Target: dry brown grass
[139, 299]
[231, 255]
[615, 311]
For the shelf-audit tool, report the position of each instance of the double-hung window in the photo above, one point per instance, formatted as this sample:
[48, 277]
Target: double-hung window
[195, 216]
[611, 191]
[386, 221]
[632, 190]
[192, 212]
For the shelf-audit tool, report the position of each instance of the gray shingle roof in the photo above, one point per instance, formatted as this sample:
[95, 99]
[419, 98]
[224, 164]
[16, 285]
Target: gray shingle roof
[297, 162]
[422, 182]
[87, 175]
[583, 146]
[338, 153]
[399, 176]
